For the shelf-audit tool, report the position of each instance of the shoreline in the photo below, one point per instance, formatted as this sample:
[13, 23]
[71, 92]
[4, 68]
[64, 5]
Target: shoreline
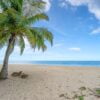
[48, 65]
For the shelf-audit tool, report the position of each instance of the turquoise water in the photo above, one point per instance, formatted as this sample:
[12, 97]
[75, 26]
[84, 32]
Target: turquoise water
[70, 63]
[58, 63]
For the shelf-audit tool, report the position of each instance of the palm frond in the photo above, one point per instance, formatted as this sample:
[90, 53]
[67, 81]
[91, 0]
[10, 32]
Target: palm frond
[3, 5]
[38, 4]
[43, 32]
[33, 7]
[15, 4]
[21, 44]
[31, 38]
[33, 19]
[4, 39]
[37, 36]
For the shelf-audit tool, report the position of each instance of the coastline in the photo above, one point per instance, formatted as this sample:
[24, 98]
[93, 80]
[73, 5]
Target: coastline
[59, 63]
[49, 83]
[52, 65]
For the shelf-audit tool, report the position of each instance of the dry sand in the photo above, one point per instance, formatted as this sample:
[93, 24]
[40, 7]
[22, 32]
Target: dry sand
[50, 83]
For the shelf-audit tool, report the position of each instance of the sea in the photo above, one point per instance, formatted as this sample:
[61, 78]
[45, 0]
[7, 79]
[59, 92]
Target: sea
[59, 63]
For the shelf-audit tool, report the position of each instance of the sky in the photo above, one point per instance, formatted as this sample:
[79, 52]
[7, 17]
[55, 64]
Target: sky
[75, 25]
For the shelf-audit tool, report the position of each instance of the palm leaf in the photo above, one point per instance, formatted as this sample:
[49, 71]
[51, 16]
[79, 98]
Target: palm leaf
[4, 39]
[21, 44]
[43, 32]
[35, 18]
[32, 7]
[37, 36]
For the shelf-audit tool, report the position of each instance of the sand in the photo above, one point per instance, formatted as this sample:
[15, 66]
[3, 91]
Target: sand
[50, 83]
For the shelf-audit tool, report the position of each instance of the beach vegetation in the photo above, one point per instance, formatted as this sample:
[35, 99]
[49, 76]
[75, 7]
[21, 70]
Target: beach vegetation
[17, 19]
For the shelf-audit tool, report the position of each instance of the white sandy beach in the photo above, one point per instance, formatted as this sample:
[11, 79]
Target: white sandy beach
[50, 83]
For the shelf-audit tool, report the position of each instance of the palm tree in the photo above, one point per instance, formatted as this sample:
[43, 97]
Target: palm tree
[16, 26]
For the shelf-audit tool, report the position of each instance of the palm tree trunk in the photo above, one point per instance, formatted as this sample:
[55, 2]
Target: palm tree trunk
[4, 70]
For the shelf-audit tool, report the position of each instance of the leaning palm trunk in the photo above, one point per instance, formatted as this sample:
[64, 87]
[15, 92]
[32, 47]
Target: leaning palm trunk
[4, 70]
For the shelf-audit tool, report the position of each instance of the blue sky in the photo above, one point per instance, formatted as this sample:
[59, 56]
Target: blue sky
[75, 25]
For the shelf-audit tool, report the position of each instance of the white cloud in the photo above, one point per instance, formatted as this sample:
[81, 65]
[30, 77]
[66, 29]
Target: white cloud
[48, 5]
[93, 5]
[74, 49]
[96, 31]
[63, 3]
